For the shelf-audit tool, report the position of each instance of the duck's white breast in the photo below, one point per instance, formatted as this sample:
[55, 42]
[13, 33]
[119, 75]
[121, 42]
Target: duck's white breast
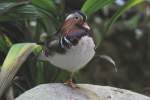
[76, 57]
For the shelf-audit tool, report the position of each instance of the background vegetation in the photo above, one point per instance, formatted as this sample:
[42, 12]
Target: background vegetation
[127, 41]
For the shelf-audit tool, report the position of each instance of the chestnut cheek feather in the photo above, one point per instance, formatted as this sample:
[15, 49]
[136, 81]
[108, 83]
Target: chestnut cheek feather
[67, 26]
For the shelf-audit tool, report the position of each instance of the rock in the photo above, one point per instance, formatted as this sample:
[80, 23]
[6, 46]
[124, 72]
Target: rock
[59, 91]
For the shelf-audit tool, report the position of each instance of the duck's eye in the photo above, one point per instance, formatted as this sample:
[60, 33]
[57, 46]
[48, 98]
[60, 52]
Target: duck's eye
[76, 17]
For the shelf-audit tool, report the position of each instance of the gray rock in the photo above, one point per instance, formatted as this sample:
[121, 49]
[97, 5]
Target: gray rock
[59, 91]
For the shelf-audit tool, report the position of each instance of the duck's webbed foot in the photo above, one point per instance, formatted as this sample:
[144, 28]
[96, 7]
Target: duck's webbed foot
[71, 82]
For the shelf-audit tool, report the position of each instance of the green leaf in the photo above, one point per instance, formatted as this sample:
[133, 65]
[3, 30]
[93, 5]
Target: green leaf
[121, 10]
[5, 7]
[13, 61]
[91, 6]
[40, 73]
[5, 42]
[15, 11]
[46, 5]
[97, 36]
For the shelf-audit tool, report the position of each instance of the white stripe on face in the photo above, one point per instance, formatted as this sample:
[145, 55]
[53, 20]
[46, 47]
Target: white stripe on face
[69, 16]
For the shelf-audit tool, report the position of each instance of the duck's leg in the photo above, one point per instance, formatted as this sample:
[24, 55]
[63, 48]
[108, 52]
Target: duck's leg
[70, 82]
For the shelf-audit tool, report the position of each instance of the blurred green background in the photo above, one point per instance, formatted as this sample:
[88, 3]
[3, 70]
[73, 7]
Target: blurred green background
[127, 42]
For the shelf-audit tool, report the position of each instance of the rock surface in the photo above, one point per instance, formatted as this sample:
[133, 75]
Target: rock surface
[59, 91]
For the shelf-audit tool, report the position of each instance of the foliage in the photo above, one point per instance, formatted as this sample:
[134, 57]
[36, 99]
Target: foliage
[122, 9]
[91, 6]
[15, 58]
